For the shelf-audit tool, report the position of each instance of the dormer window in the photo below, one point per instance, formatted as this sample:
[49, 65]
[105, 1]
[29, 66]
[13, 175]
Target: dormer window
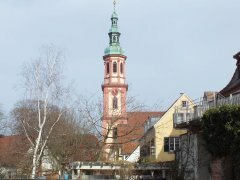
[114, 67]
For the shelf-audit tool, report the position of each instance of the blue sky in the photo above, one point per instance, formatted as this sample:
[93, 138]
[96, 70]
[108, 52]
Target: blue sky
[172, 46]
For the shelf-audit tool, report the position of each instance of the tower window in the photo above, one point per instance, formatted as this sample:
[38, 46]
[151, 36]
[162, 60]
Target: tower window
[114, 39]
[115, 102]
[114, 67]
[121, 67]
[107, 68]
[114, 22]
[115, 133]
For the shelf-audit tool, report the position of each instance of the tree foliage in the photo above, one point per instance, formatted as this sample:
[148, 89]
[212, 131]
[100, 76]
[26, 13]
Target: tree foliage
[221, 130]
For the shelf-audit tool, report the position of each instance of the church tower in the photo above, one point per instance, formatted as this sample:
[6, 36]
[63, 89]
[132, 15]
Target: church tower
[114, 88]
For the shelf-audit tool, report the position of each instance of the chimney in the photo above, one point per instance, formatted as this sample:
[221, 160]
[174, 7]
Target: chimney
[237, 57]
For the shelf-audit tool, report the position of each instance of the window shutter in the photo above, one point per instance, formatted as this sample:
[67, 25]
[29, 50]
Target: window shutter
[166, 144]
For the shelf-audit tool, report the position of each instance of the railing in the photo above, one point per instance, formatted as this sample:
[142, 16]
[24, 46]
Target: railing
[184, 115]
[231, 100]
[181, 117]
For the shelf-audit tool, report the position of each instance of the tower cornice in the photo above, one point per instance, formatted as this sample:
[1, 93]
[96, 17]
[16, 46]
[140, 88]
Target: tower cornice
[115, 86]
[114, 55]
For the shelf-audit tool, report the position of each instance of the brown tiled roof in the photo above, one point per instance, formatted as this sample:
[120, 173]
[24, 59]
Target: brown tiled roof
[234, 85]
[129, 134]
[11, 150]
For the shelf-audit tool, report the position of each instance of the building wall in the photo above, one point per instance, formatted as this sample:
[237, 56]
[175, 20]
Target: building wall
[187, 156]
[145, 145]
[165, 128]
[193, 159]
[134, 157]
[203, 160]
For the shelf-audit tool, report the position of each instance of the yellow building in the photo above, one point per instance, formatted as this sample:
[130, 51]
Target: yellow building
[161, 139]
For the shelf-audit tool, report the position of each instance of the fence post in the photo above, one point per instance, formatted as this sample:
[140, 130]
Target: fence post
[230, 99]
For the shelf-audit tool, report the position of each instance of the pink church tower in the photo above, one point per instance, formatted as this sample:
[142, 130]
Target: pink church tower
[114, 89]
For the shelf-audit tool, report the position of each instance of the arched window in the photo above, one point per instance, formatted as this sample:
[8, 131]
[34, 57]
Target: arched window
[115, 102]
[107, 68]
[114, 67]
[121, 67]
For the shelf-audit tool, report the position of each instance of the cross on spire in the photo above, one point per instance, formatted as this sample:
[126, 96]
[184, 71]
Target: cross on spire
[114, 4]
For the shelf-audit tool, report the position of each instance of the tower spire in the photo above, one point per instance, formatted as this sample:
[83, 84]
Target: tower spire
[114, 35]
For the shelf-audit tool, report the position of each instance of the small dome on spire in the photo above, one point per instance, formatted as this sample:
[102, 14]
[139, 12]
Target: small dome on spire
[114, 15]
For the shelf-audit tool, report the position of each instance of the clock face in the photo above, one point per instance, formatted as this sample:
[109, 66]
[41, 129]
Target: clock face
[114, 92]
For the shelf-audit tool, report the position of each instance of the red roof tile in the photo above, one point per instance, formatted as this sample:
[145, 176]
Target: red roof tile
[11, 149]
[130, 134]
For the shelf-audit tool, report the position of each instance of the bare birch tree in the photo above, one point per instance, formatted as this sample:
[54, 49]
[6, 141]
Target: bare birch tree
[44, 93]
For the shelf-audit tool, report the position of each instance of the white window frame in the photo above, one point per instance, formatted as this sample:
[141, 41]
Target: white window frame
[174, 147]
[152, 148]
[184, 104]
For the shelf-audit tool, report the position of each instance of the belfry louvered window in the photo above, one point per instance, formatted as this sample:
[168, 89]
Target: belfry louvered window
[107, 68]
[114, 67]
[121, 68]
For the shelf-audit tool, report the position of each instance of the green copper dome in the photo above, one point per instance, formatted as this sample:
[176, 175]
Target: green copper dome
[114, 50]
[114, 36]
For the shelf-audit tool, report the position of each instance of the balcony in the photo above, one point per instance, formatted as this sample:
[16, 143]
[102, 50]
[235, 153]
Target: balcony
[185, 115]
